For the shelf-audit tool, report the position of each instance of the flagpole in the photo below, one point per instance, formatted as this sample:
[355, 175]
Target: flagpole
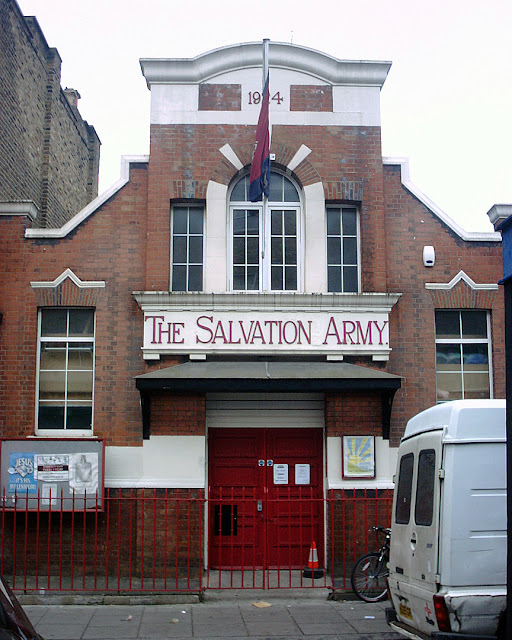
[266, 43]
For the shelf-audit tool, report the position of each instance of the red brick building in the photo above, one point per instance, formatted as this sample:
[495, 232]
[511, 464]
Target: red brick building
[245, 349]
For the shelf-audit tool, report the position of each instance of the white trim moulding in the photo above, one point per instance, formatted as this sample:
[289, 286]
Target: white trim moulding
[470, 236]
[95, 204]
[81, 284]
[456, 279]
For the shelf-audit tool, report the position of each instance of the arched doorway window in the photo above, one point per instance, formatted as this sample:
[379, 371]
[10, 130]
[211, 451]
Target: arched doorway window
[265, 241]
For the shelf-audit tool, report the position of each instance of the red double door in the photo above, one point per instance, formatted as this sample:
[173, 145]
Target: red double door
[266, 497]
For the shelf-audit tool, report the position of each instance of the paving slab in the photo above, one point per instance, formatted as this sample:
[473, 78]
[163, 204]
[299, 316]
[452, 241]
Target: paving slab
[277, 619]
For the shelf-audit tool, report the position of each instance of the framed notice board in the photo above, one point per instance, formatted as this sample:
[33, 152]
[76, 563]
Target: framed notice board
[57, 474]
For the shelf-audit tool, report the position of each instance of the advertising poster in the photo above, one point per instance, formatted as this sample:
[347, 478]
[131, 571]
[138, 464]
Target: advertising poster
[49, 493]
[358, 456]
[84, 473]
[52, 467]
[21, 474]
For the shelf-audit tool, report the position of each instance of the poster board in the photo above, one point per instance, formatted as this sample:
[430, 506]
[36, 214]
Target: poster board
[52, 474]
[359, 457]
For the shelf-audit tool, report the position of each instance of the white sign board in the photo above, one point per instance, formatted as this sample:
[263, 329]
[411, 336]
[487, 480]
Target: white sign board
[259, 331]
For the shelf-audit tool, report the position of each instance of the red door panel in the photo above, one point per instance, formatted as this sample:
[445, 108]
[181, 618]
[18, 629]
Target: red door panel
[235, 486]
[254, 522]
[295, 511]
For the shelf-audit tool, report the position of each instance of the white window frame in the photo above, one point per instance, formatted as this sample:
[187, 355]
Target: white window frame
[187, 205]
[358, 245]
[64, 433]
[265, 240]
[461, 341]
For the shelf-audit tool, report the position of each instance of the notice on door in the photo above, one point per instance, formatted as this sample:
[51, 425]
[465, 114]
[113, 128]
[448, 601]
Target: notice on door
[280, 474]
[302, 474]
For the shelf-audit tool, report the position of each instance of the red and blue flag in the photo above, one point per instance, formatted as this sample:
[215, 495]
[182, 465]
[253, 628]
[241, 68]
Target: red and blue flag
[260, 169]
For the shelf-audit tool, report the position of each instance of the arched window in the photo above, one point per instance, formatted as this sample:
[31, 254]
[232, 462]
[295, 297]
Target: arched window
[266, 240]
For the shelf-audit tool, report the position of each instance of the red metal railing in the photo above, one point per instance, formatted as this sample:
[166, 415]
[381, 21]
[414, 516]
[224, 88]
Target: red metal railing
[177, 540]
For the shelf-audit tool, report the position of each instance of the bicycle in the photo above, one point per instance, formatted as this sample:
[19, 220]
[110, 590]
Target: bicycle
[370, 572]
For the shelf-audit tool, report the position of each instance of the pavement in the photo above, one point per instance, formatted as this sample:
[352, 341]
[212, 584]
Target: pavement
[224, 616]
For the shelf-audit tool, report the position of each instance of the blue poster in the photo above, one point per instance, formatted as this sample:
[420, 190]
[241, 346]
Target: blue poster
[21, 474]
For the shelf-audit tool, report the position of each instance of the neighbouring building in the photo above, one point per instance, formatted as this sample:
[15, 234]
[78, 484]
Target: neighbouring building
[246, 366]
[49, 155]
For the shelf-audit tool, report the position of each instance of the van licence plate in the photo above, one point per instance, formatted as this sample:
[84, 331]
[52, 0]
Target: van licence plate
[404, 611]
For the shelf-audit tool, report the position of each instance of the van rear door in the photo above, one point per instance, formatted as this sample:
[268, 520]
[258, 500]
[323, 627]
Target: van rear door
[415, 527]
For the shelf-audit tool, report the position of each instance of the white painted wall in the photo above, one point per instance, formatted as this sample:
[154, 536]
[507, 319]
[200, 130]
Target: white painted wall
[352, 105]
[315, 249]
[162, 461]
[385, 466]
[216, 248]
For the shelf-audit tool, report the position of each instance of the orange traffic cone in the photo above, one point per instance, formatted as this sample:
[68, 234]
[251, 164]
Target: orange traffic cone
[313, 570]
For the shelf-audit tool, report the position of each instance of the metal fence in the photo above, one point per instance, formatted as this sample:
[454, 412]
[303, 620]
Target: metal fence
[171, 540]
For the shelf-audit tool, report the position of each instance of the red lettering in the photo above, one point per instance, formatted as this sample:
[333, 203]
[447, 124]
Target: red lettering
[348, 333]
[176, 328]
[154, 318]
[257, 328]
[332, 330]
[379, 329]
[270, 323]
[246, 337]
[200, 326]
[364, 337]
[231, 341]
[302, 329]
[219, 333]
[287, 324]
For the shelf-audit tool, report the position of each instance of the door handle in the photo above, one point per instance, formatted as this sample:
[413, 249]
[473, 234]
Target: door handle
[413, 540]
[259, 505]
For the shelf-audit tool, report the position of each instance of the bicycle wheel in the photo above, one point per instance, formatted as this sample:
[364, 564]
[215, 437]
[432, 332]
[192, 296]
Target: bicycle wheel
[368, 578]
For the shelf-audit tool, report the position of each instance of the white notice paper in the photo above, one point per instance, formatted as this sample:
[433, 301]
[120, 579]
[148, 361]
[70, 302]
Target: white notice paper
[280, 474]
[302, 474]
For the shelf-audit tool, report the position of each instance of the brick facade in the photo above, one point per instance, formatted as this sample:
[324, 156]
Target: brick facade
[122, 251]
[48, 154]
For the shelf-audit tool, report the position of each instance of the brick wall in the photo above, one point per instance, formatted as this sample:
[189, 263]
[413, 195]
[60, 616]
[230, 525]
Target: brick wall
[220, 97]
[353, 414]
[181, 414]
[48, 154]
[310, 97]
[110, 247]
[140, 536]
[409, 227]
[343, 158]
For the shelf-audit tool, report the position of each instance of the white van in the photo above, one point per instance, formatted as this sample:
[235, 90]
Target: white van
[448, 557]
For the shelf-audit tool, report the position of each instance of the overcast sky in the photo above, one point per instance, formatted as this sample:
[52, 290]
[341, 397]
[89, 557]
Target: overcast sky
[446, 104]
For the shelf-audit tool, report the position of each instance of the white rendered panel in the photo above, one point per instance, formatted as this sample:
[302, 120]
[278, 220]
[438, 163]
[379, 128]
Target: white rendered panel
[162, 461]
[315, 254]
[385, 465]
[215, 267]
[352, 105]
[362, 102]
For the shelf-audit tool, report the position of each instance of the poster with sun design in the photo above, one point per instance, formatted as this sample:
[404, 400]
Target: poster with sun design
[358, 457]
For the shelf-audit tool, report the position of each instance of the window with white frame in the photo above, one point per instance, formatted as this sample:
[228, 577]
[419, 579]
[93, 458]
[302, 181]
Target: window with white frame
[463, 354]
[265, 246]
[65, 370]
[342, 250]
[187, 248]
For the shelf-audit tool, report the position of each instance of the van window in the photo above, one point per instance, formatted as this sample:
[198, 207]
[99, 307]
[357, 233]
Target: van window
[424, 508]
[403, 499]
